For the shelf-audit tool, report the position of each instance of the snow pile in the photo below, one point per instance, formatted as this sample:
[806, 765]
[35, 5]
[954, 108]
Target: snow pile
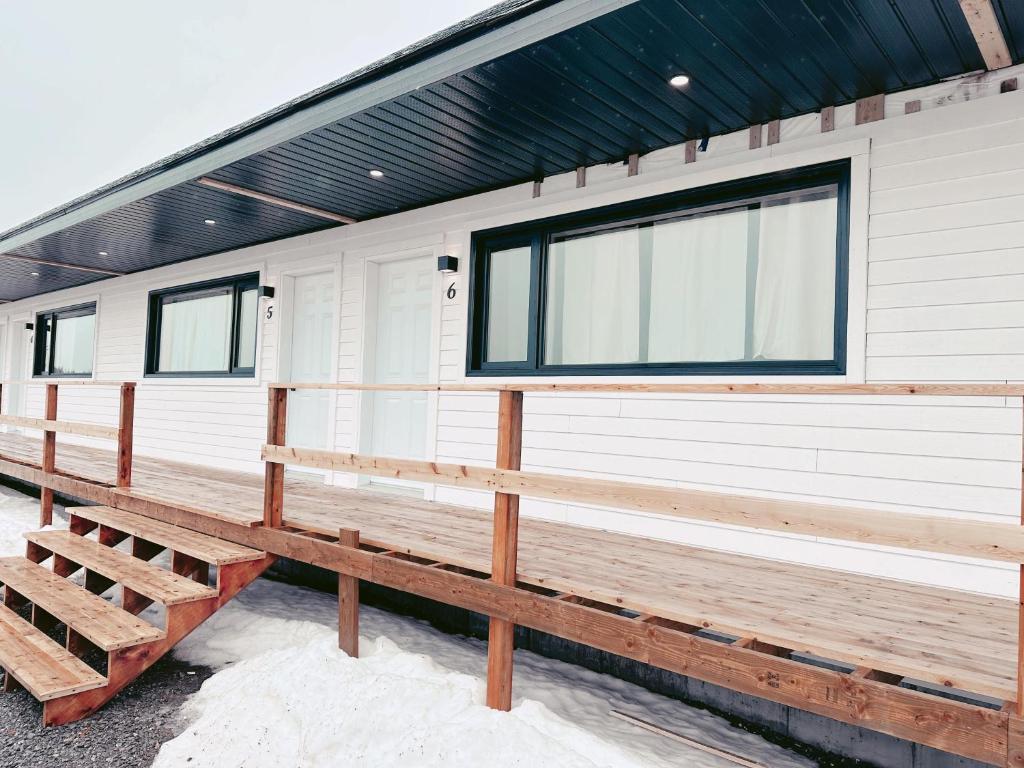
[311, 705]
[287, 696]
[18, 513]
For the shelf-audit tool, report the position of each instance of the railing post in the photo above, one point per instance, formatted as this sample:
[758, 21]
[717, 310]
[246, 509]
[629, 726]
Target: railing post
[348, 601]
[504, 550]
[49, 463]
[125, 434]
[1020, 592]
[273, 487]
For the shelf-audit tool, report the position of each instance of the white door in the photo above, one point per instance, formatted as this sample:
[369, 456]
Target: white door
[402, 356]
[310, 357]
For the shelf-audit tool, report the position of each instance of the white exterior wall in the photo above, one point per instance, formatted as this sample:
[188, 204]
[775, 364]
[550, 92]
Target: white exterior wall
[936, 294]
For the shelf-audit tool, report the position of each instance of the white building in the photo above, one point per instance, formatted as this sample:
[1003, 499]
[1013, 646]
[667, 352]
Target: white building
[854, 240]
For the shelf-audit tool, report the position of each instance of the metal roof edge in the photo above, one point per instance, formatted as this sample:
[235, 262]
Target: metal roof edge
[469, 43]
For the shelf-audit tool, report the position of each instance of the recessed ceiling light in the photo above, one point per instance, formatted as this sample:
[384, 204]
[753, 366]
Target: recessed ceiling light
[377, 174]
[679, 81]
[34, 274]
[103, 253]
[210, 222]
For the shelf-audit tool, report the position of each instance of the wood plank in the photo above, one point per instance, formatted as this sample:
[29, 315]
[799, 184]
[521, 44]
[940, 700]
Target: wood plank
[64, 427]
[994, 541]
[41, 665]
[93, 617]
[200, 546]
[156, 583]
[981, 18]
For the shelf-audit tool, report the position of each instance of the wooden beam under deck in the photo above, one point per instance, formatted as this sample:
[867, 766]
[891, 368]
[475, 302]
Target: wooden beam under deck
[980, 733]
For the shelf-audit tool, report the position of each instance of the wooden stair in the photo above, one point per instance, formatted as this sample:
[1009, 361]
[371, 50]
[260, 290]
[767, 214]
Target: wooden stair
[90, 625]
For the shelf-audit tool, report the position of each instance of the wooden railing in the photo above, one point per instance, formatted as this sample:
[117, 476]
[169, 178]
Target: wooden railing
[50, 426]
[953, 536]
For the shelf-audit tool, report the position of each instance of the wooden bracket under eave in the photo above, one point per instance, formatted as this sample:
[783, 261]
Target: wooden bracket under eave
[981, 18]
[870, 109]
[755, 137]
[633, 163]
[581, 177]
[690, 155]
[537, 187]
[828, 119]
[774, 132]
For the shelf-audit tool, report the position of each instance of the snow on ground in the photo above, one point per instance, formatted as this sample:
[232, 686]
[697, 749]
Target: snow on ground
[284, 695]
[18, 513]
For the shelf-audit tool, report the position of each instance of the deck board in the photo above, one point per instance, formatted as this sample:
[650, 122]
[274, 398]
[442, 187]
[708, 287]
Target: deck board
[938, 635]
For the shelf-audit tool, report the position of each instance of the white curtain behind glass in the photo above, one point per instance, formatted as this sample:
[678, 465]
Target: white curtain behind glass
[796, 273]
[195, 334]
[593, 292]
[73, 345]
[508, 304]
[699, 288]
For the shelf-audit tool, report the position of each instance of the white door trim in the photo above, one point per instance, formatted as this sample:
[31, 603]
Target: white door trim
[285, 302]
[371, 270]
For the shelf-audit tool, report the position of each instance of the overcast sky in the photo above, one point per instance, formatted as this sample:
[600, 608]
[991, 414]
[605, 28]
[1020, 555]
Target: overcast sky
[93, 90]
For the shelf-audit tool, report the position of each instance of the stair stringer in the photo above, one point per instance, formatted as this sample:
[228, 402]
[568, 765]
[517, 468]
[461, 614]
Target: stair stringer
[126, 664]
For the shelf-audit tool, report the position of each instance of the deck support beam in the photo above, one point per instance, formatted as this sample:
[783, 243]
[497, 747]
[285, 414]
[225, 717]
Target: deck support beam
[501, 632]
[348, 600]
[49, 457]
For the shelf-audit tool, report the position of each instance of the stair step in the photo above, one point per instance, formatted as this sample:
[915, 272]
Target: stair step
[43, 666]
[156, 583]
[103, 624]
[209, 549]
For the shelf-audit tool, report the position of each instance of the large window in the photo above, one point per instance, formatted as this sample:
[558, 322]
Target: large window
[738, 278]
[204, 329]
[64, 341]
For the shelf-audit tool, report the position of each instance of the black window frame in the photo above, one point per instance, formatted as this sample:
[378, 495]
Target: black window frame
[540, 233]
[238, 284]
[42, 354]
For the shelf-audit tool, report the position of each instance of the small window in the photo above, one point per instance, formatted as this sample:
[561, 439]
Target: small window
[64, 341]
[744, 277]
[204, 329]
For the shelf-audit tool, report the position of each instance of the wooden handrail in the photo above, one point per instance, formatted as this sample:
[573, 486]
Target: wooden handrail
[959, 390]
[66, 382]
[80, 428]
[50, 426]
[947, 535]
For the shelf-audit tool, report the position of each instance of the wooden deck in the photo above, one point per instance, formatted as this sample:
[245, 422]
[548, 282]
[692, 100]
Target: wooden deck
[936, 635]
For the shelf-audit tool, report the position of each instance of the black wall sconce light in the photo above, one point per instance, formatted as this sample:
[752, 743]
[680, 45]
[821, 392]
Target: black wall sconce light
[29, 326]
[447, 264]
[265, 291]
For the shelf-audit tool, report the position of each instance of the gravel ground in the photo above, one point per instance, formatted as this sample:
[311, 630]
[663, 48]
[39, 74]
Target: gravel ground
[126, 733]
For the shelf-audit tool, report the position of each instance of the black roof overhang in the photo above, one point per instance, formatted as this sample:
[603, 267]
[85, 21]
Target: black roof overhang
[525, 90]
